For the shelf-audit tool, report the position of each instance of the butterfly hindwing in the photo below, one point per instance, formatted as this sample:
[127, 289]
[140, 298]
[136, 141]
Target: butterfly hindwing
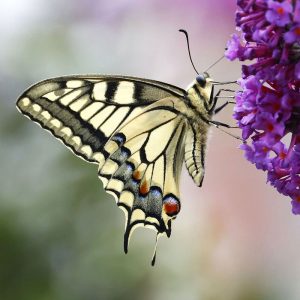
[84, 111]
[143, 167]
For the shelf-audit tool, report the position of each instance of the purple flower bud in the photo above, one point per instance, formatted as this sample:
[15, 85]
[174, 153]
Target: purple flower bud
[234, 48]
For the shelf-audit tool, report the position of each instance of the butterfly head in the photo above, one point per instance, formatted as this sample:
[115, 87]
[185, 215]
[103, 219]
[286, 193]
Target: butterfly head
[202, 79]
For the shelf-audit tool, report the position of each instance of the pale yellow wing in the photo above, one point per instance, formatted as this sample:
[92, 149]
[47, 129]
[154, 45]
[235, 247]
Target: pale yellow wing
[84, 111]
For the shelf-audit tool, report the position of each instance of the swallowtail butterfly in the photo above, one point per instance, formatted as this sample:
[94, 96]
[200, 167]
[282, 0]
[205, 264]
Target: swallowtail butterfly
[137, 131]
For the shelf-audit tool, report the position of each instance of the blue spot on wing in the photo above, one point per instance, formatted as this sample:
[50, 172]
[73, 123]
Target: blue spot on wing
[124, 173]
[119, 138]
[121, 155]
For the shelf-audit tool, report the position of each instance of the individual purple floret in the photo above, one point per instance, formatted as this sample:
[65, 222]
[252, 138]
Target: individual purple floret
[268, 106]
[293, 35]
[279, 13]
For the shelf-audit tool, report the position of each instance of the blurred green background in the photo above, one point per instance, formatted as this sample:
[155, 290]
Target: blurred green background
[61, 236]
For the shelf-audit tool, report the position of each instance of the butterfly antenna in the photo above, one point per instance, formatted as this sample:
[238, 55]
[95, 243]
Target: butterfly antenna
[188, 45]
[214, 63]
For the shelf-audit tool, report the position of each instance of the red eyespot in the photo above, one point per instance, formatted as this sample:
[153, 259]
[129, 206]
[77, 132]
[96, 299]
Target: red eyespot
[171, 206]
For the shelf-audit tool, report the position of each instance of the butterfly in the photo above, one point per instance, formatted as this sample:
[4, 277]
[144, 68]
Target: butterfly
[137, 131]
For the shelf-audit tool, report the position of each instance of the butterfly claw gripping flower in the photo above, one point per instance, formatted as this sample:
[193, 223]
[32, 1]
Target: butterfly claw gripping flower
[268, 106]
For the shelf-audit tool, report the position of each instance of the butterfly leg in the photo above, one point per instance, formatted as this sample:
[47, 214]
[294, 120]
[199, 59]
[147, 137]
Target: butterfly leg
[224, 83]
[214, 99]
[221, 124]
[217, 96]
[218, 125]
[221, 107]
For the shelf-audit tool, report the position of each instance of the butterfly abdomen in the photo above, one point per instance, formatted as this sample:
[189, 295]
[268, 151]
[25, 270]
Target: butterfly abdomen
[195, 148]
[199, 98]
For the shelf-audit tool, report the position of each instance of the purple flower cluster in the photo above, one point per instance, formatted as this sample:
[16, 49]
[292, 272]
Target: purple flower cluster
[268, 106]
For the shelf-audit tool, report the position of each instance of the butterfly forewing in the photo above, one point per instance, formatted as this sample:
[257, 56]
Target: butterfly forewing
[83, 112]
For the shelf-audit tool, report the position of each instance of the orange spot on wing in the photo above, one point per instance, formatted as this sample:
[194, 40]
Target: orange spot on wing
[144, 188]
[137, 175]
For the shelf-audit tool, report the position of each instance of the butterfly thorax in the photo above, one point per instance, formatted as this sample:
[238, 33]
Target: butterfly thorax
[200, 96]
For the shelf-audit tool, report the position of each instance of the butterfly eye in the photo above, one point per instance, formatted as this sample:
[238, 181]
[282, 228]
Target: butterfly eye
[201, 80]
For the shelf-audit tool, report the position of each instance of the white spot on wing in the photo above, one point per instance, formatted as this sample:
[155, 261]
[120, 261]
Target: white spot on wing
[24, 102]
[115, 184]
[98, 156]
[45, 116]
[73, 84]
[137, 214]
[99, 91]
[54, 123]
[66, 133]
[110, 167]
[126, 198]
[75, 141]
[52, 96]
[86, 150]
[37, 108]
[124, 92]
